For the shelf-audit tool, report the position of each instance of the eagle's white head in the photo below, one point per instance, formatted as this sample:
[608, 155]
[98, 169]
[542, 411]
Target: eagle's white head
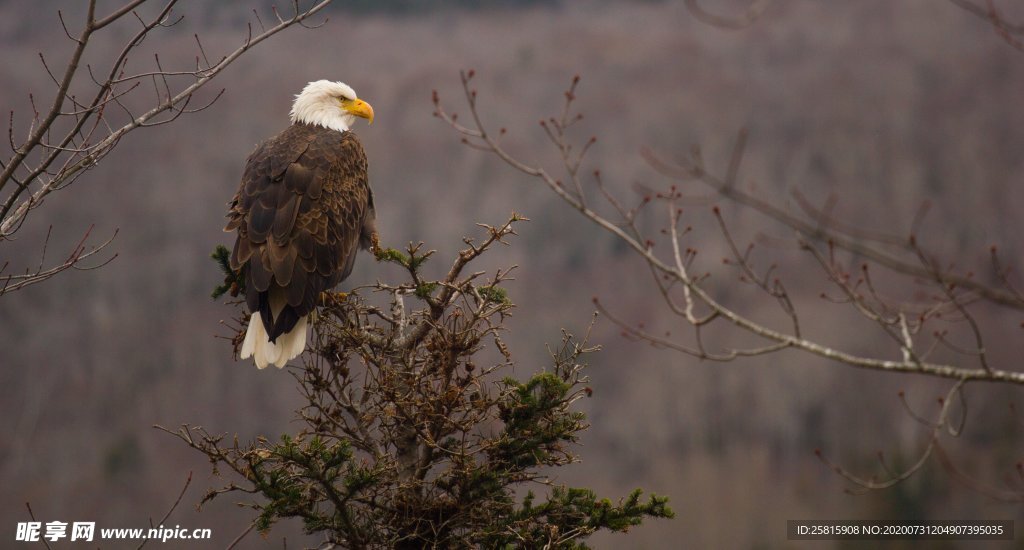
[329, 104]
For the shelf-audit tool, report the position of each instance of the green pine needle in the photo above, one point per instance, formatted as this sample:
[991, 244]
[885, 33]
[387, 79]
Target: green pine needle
[233, 283]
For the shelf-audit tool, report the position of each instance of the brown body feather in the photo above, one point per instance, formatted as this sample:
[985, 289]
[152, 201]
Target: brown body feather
[302, 212]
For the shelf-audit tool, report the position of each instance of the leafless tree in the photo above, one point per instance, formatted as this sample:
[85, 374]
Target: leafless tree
[932, 330]
[95, 103]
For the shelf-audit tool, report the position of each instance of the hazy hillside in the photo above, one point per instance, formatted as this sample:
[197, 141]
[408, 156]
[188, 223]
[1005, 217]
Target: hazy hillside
[887, 104]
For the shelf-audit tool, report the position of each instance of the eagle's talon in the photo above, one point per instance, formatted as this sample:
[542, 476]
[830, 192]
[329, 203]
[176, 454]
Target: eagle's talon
[375, 248]
[333, 299]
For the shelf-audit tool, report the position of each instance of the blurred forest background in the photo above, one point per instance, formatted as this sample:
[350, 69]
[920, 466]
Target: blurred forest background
[886, 104]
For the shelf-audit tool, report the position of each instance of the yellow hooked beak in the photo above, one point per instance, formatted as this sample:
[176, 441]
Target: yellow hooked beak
[358, 108]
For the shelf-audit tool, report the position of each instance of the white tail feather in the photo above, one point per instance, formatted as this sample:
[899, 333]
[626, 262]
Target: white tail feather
[257, 342]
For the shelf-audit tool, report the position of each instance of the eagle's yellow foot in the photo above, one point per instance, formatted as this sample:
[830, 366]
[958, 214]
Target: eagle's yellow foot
[331, 299]
[378, 252]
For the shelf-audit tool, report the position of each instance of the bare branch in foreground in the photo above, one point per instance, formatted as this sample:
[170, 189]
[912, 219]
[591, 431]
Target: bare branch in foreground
[695, 303]
[77, 130]
[933, 317]
[79, 253]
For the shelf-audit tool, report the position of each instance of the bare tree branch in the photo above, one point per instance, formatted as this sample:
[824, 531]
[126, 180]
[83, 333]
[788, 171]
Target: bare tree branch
[827, 229]
[188, 481]
[695, 293]
[1006, 30]
[79, 253]
[74, 135]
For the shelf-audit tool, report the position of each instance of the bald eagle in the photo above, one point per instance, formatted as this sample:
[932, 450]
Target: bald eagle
[302, 212]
